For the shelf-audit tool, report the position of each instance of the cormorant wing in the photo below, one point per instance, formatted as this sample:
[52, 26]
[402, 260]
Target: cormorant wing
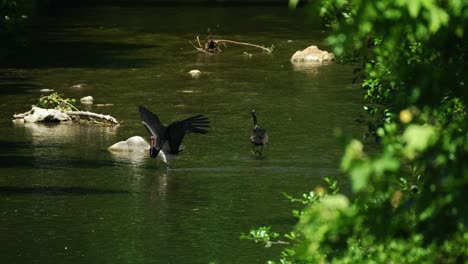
[195, 124]
[176, 130]
[153, 125]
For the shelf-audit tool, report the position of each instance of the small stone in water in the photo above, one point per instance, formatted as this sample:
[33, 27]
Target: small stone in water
[87, 100]
[195, 73]
[80, 85]
[46, 90]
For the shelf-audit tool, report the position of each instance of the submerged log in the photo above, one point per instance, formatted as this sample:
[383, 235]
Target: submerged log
[91, 114]
[37, 114]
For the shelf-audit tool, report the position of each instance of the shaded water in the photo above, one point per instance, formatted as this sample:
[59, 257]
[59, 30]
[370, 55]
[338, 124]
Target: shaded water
[66, 199]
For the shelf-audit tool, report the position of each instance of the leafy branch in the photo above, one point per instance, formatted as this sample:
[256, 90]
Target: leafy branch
[55, 101]
[264, 235]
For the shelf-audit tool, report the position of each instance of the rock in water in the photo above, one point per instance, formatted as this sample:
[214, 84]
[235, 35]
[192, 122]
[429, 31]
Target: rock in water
[87, 100]
[312, 54]
[195, 73]
[78, 86]
[46, 90]
[135, 143]
[45, 115]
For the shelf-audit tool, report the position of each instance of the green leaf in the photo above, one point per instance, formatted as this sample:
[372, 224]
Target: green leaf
[417, 139]
[438, 18]
[360, 175]
[354, 150]
[293, 4]
[413, 8]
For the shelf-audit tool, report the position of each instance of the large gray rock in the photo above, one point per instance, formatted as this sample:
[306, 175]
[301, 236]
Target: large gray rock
[312, 54]
[135, 143]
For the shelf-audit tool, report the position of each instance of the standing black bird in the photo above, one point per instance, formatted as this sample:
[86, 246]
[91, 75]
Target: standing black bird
[173, 134]
[259, 136]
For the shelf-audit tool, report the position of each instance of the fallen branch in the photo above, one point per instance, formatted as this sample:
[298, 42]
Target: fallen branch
[91, 114]
[212, 45]
[37, 114]
[200, 49]
[280, 242]
[22, 115]
[269, 50]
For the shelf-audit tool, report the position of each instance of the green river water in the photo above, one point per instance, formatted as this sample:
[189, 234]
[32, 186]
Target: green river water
[65, 199]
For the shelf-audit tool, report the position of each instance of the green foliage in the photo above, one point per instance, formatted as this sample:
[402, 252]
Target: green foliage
[408, 202]
[55, 101]
[332, 185]
[262, 234]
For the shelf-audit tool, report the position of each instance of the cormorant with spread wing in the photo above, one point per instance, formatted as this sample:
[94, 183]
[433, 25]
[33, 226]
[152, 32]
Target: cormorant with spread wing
[172, 134]
[259, 136]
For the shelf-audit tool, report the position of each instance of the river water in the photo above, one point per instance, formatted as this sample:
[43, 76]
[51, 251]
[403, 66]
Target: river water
[65, 199]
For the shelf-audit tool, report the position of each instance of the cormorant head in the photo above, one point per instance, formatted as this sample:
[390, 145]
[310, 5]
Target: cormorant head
[254, 117]
[153, 148]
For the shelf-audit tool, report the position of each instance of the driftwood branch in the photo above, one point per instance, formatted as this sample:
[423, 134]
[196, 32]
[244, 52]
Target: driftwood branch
[50, 115]
[71, 106]
[22, 115]
[91, 114]
[269, 50]
[198, 40]
[212, 45]
[200, 49]
[57, 109]
[280, 242]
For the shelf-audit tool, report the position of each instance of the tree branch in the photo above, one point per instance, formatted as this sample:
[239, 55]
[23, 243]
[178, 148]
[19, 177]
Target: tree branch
[91, 114]
[22, 115]
[213, 45]
[200, 49]
[269, 50]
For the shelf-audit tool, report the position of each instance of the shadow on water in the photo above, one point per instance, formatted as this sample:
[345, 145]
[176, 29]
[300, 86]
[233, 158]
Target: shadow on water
[79, 54]
[8, 146]
[56, 191]
[10, 84]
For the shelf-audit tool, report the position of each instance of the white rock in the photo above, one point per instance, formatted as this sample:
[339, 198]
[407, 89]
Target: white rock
[57, 115]
[135, 143]
[312, 54]
[195, 73]
[87, 100]
[32, 118]
[18, 121]
[40, 115]
[80, 85]
[46, 90]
